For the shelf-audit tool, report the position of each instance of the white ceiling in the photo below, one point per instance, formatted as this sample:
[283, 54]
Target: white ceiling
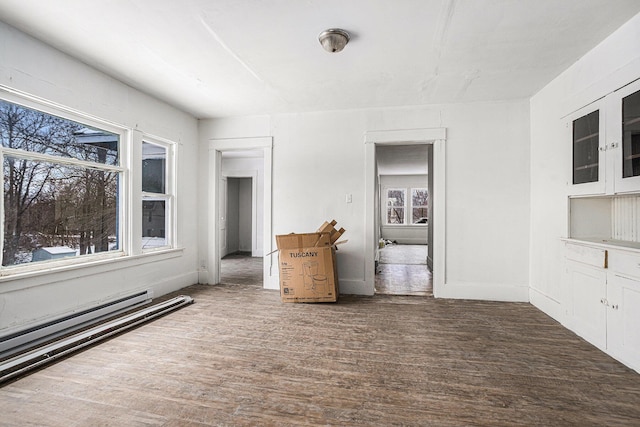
[216, 58]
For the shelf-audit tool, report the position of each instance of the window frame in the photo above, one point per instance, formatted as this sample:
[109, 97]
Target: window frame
[124, 135]
[168, 196]
[129, 200]
[419, 206]
[387, 207]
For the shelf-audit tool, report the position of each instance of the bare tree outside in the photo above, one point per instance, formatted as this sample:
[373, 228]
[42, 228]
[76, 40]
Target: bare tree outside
[395, 206]
[51, 204]
[419, 205]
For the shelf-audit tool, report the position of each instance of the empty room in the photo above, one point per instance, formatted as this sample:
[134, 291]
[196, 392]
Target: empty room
[280, 212]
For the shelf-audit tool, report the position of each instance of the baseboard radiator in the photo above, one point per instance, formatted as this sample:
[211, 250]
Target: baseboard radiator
[69, 342]
[27, 338]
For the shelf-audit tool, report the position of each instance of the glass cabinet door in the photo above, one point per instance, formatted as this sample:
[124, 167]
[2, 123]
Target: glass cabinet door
[623, 130]
[586, 142]
[631, 135]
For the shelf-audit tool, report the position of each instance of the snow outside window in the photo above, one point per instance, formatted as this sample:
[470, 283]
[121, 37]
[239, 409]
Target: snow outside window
[61, 185]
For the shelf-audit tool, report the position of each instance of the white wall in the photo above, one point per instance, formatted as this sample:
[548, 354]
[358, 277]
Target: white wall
[32, 67]
[239, 218]
[233, 216]
[319, 158]
[244, 215]
[407, 233]
[609, 66]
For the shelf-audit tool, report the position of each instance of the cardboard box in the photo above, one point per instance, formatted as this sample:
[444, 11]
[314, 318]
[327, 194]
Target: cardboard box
[307, 266]
[303, 240]
[329, 227]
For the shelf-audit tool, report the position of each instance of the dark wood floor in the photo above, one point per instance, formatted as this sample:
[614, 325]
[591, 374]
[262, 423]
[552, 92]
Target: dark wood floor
[241, 268]
[240, 357]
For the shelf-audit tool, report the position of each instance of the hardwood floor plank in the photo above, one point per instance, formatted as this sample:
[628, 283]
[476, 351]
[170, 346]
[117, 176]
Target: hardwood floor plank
[239, 356]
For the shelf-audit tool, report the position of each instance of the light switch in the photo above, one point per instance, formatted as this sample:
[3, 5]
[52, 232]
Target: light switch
[349, 198]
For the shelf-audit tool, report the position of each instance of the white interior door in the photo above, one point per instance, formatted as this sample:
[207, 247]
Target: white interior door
[223, 217]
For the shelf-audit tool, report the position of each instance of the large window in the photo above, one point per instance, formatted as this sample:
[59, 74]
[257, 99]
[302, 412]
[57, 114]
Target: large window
[61, 181]
[419, 206]
[396, 205]
[398, 208]
[156, 195]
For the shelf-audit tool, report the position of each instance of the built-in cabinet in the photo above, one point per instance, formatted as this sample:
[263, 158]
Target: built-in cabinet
[601, 300]
[601, 289]
[605, 141]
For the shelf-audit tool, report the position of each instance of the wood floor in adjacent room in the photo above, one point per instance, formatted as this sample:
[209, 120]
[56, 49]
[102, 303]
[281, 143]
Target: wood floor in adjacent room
[402, 270]
[239, 357]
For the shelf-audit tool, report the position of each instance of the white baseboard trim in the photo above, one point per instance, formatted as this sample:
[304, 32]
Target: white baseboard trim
[174, 283]
[546, 304]
[272, 283]
[203, 276]
[483, 291]
[353, 287]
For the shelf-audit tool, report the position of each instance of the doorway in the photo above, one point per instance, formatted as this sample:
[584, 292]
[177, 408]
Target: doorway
[238, 265]
[239, 163]
[403, 208]
[433, 139]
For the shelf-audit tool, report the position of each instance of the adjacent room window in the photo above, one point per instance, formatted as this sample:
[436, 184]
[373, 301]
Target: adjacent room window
[419, 206]
[396, 206]
[62, 180]
[156, 195]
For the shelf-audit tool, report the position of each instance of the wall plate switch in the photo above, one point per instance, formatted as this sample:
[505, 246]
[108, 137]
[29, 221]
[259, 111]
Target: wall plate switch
[349, 198]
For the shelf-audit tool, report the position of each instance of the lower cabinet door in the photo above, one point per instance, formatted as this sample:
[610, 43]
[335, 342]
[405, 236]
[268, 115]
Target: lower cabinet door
[623, 320]
[585, 308]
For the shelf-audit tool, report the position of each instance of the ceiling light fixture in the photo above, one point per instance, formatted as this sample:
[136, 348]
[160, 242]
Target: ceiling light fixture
[334, 39]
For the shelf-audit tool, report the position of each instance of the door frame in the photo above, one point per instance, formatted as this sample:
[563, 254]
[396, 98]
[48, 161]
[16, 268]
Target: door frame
[215, 149]
[435, 137]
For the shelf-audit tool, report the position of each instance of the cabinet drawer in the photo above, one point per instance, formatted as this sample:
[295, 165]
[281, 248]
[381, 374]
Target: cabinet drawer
[627, 264]
[596, 257]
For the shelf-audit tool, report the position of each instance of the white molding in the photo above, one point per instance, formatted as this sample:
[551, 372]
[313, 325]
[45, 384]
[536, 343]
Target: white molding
[351, 287]
[215, 149]
[405, 136]
[240, 144]
[546, 304]
[55, 272]
[435, 137]
[485, 291]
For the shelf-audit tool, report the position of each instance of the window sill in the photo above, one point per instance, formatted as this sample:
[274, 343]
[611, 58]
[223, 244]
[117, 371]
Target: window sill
[14, 280]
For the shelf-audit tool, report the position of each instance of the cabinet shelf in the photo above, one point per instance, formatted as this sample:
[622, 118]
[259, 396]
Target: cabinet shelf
[588, 137]
[631, 121]
[584, 167]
